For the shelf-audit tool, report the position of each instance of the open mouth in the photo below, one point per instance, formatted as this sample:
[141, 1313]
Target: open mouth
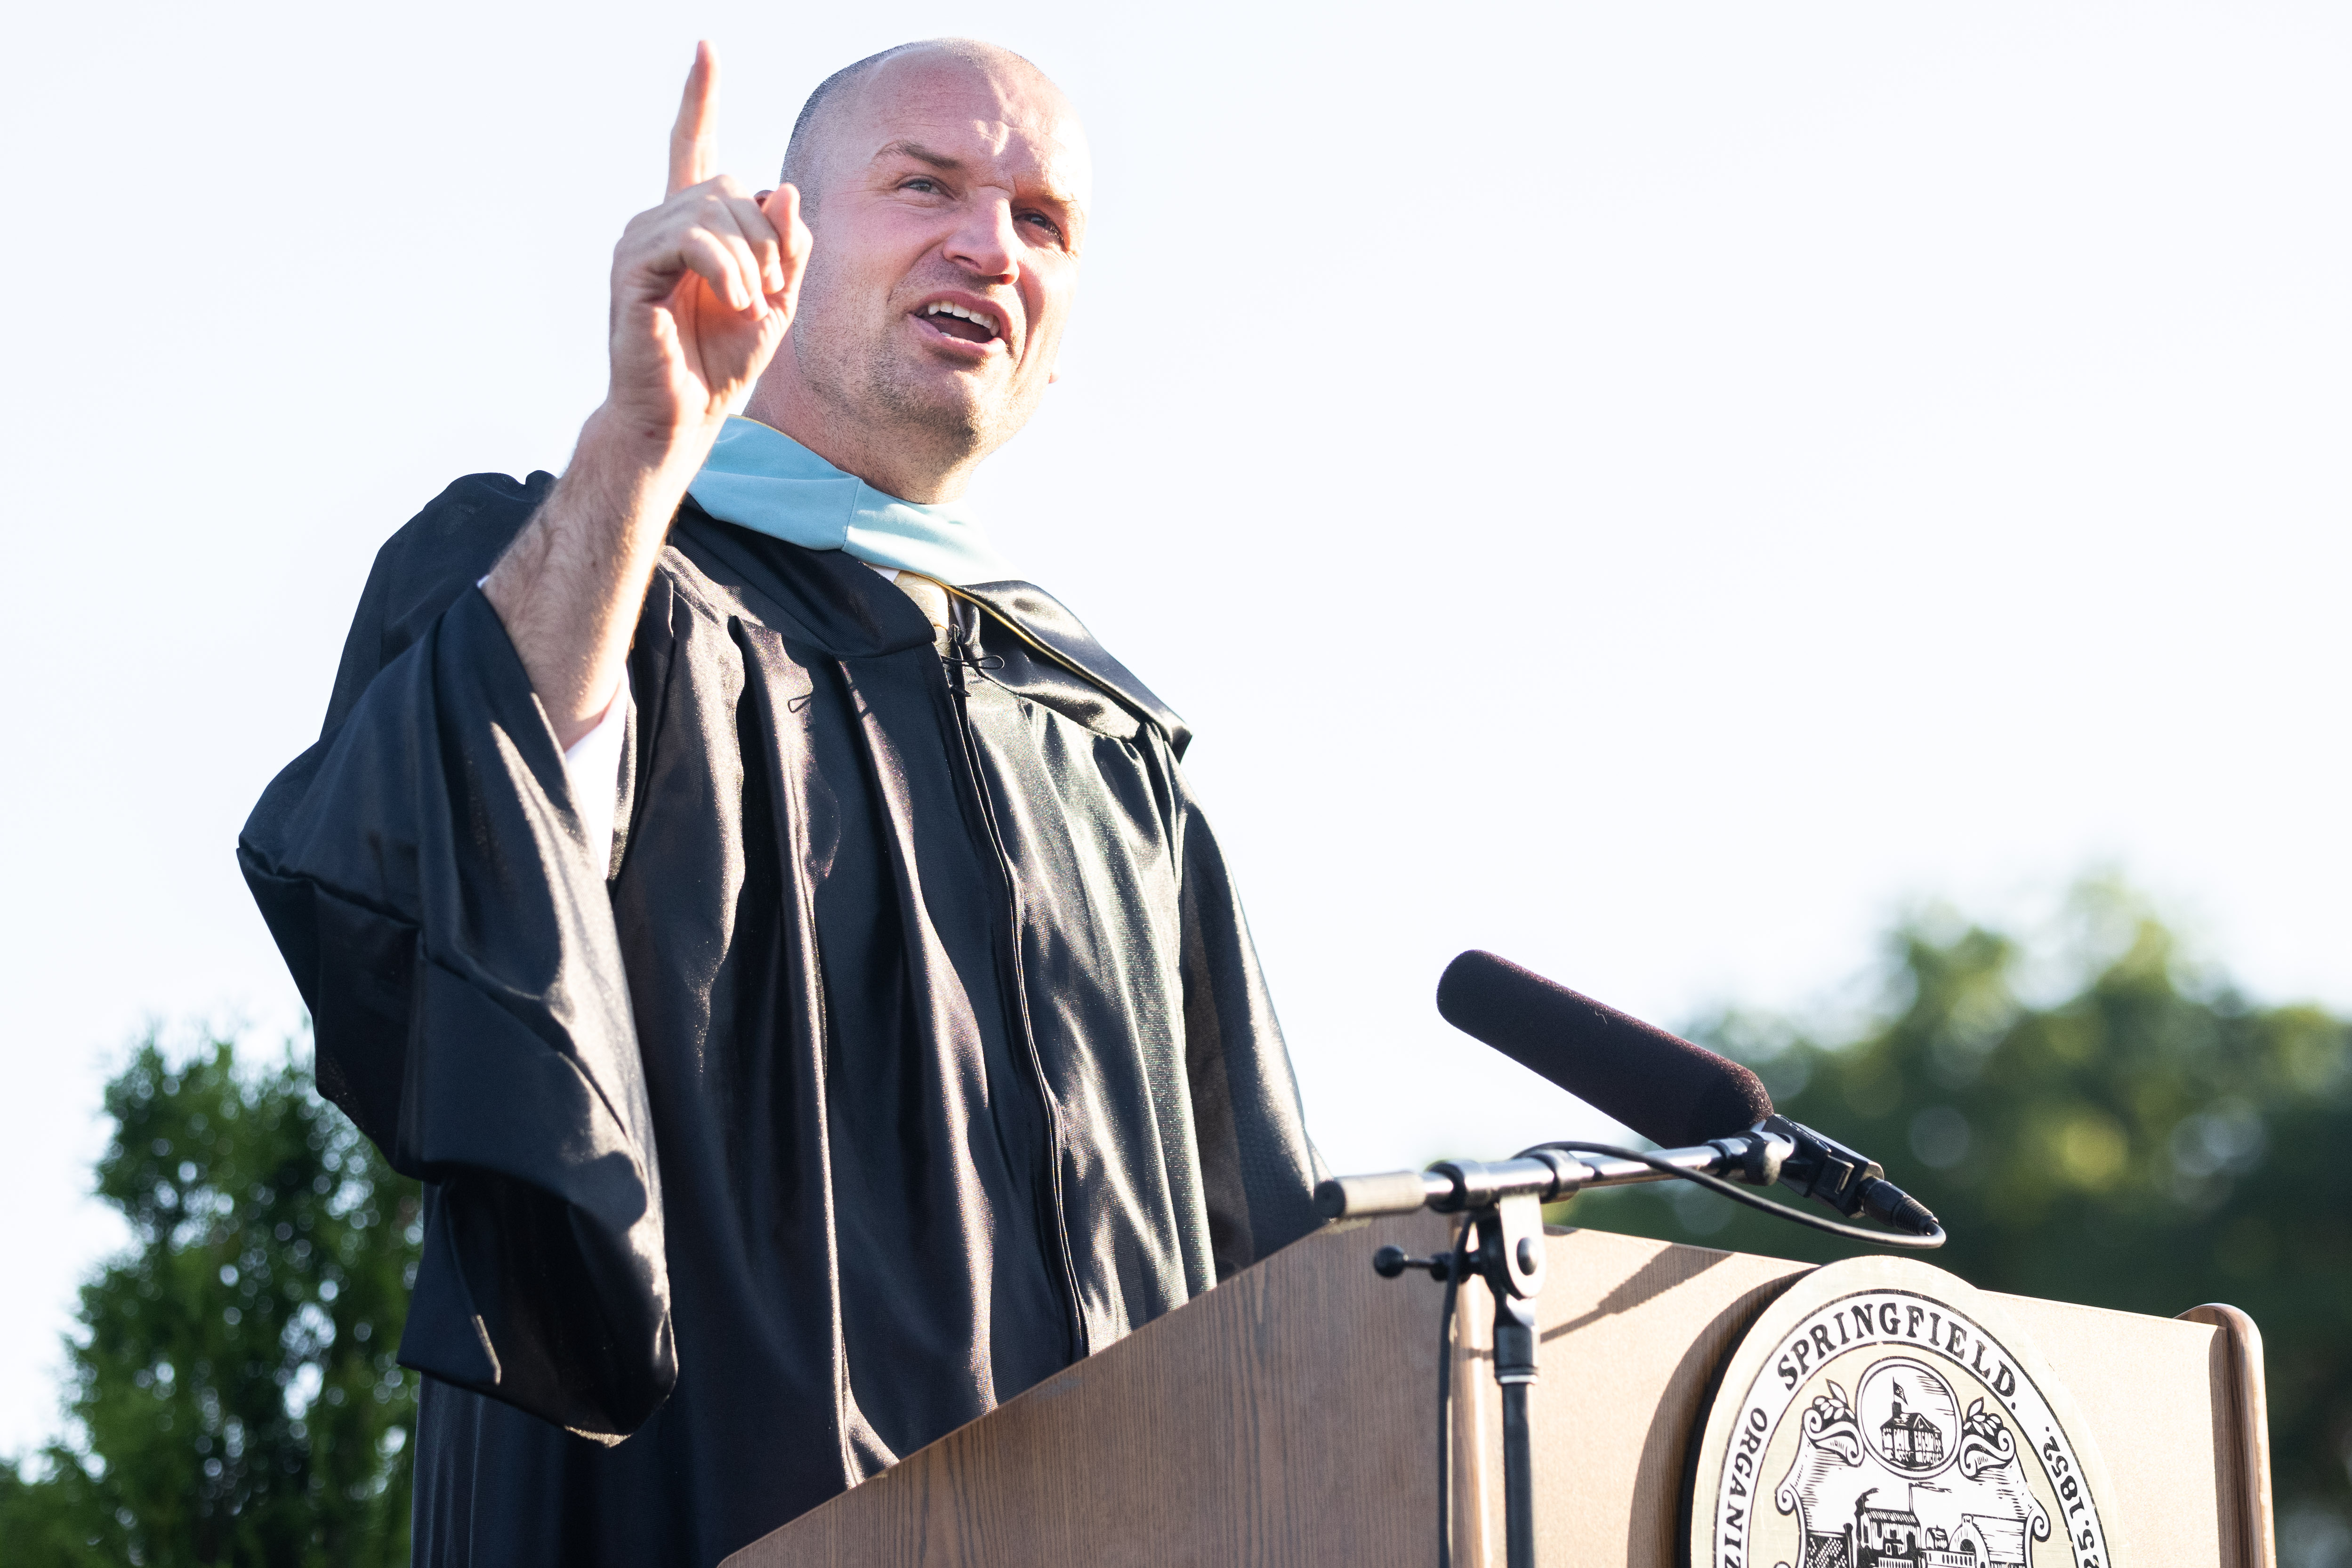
[956, 321]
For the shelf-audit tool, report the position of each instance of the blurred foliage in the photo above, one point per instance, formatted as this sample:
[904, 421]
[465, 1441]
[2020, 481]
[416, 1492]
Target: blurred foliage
[233, 1389]
[2145, 1139]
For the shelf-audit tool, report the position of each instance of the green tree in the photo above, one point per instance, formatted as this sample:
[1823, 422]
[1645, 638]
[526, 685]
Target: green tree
[2149, 1141]
[233, 1386]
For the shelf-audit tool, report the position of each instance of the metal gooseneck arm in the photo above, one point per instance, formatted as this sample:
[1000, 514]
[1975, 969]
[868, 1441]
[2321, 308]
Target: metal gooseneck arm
[1550, 1174]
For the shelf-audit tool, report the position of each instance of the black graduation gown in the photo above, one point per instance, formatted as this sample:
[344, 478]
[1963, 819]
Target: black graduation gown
[911, 1046]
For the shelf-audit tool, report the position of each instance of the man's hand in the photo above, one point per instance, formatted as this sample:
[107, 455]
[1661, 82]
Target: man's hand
[703, 285]
[703, 289]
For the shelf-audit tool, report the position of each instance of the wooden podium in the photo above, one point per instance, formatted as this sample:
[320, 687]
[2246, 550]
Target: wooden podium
[1289, 1418]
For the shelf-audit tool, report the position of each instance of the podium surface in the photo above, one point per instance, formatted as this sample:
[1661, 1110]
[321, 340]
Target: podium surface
[1289, 1418]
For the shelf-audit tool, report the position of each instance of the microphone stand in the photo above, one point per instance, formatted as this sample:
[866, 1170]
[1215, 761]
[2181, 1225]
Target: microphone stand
[1501, 1202]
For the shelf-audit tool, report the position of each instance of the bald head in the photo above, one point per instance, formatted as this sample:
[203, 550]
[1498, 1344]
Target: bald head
[945, 185]
[1027, 95]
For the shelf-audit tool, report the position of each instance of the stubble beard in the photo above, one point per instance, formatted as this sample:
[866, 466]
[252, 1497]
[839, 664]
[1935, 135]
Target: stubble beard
[874, 386]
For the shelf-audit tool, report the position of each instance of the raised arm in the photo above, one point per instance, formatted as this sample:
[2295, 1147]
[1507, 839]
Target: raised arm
[703, 289]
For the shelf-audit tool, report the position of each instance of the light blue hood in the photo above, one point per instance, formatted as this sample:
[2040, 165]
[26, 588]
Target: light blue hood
[759, 477]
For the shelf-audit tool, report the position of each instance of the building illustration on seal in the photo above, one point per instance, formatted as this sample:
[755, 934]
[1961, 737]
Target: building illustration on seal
[1909, 1439]
[1900, 1477]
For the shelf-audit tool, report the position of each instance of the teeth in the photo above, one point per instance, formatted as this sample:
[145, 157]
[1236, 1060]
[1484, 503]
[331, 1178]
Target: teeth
[942, 308]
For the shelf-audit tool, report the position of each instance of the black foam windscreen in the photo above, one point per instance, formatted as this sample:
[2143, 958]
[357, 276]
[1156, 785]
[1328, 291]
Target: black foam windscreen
[1670, 1091]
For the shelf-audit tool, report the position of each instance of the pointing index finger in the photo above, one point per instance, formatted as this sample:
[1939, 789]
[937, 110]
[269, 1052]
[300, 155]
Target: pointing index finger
[693, 140]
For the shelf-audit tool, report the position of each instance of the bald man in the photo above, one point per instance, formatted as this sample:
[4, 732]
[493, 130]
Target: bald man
[779, 936]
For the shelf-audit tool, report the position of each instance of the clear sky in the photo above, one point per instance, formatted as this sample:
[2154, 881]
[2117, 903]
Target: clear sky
[1646, 489]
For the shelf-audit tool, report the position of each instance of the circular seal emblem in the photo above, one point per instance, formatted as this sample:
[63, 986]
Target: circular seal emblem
[1880, 1415]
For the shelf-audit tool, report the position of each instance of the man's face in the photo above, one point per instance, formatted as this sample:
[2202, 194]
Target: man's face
[948, 213]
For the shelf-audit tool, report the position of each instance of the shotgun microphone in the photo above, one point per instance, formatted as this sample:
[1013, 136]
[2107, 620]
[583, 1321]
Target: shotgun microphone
[1668, 1090]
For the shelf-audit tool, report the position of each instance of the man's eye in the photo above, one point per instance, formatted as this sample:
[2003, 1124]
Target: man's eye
[1043, 221]
[920, 183]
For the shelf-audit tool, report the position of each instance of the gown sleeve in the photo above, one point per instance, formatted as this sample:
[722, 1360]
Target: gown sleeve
[1258, 1166]
[427, 876]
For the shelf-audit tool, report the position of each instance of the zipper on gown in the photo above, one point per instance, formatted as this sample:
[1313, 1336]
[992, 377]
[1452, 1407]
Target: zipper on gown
[956, 657]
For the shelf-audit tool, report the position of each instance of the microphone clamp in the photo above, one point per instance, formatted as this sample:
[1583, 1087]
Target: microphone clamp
[1848, 1181]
